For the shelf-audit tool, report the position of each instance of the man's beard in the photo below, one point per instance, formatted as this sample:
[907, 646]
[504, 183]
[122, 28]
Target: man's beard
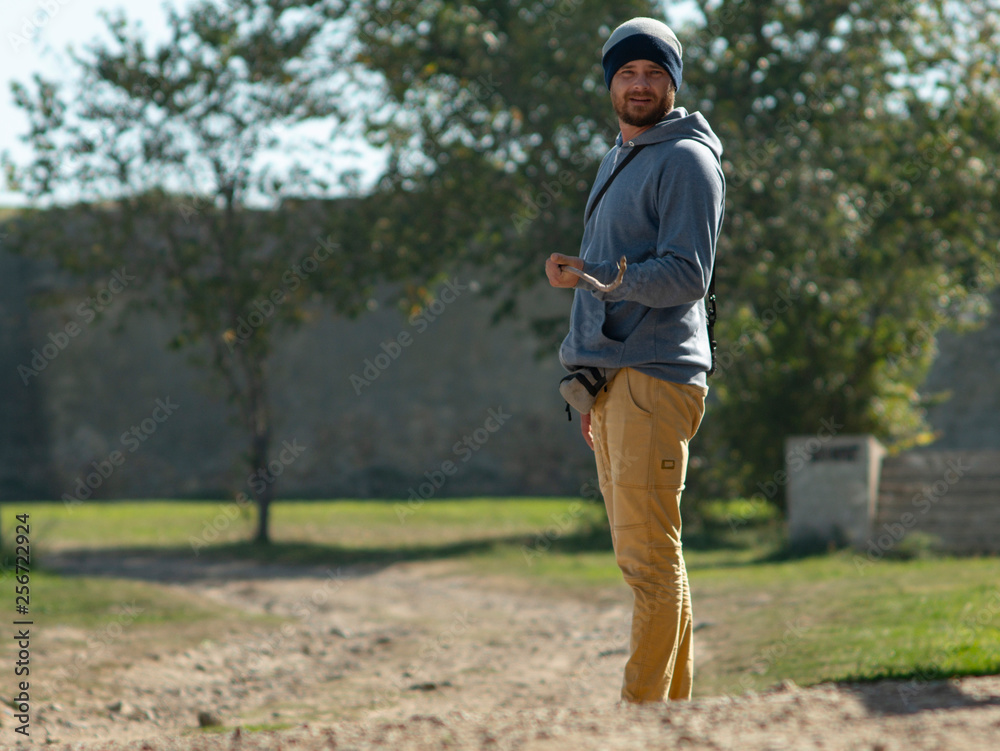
[647, 116]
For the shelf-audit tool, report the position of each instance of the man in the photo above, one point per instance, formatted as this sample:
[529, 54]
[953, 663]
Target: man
[663, 214]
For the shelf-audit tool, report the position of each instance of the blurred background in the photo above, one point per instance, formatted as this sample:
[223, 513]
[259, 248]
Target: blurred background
[294, 249]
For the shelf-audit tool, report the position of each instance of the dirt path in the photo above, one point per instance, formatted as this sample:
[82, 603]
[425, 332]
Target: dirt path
[415, 656]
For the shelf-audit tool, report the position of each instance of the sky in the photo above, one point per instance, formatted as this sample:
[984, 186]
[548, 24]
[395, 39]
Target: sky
[34, 35]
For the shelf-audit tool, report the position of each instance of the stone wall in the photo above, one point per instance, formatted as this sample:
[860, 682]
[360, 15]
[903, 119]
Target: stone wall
[381, 404]
[443, 404]
[849, 492]
[953, 497]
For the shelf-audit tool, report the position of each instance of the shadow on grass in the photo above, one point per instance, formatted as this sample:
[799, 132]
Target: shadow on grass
[248, 560]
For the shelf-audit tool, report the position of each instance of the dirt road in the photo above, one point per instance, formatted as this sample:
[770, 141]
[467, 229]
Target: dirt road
[415, 656]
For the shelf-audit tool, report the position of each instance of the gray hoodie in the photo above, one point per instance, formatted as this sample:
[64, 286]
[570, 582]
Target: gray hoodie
[663, 213]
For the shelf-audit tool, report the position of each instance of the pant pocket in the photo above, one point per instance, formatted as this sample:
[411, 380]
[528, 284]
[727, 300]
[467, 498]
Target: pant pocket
[629, 430]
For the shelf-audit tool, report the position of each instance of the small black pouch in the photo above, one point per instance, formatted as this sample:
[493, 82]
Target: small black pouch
[581, 387]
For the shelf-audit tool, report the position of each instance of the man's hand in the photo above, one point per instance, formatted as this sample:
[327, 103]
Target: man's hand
[585, 429]
[559, 277]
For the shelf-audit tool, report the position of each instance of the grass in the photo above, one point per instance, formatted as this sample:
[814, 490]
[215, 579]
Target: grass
[764, 616]
[379, 526]
[90, 603]
[822, 619]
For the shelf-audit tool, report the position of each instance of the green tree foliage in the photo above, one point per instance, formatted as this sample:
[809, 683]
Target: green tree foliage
[183, 163]
[495, 115]
[861, 167]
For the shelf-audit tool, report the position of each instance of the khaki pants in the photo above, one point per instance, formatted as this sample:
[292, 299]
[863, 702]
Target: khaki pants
[641, 428]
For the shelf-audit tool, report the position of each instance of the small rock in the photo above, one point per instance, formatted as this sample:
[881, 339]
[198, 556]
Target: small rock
[208, 719]
[429, 686]
[337, 631]
[139, 714]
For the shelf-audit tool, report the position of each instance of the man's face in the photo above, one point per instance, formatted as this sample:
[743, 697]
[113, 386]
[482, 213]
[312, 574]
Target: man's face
[642, 92]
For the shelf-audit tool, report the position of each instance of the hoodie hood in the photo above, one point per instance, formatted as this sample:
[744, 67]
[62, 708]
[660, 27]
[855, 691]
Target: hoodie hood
[679, 124]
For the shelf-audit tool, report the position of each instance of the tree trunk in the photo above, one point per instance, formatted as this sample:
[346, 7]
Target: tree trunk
[265, 494]
[258, 420]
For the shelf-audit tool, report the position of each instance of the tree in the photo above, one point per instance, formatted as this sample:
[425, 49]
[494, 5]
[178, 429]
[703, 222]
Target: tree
[861, 178]
[861, 173]
[189, 163]
[495, 116]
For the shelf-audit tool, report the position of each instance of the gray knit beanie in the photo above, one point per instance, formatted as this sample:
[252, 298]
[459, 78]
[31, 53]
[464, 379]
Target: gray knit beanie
[642, 39]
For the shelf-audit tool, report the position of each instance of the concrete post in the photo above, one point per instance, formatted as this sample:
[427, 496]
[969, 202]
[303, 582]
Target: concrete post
[832, 488]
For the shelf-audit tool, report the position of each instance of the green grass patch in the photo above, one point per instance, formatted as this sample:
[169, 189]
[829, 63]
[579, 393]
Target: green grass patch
[90, 602]
[825, 619]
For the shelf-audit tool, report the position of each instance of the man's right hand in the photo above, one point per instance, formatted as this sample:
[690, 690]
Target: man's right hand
[588, 436]
[558, 276]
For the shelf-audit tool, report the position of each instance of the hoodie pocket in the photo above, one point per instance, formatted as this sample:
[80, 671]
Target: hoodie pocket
[622, 319]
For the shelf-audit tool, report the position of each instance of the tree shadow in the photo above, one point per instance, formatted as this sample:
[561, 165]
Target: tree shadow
[919, 691]
[249, 561]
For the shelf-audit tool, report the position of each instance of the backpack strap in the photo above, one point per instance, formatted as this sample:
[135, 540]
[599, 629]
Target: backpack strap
[600, 194]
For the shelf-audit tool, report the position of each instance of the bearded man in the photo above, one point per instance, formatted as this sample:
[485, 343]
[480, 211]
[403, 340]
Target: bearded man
[647, 336]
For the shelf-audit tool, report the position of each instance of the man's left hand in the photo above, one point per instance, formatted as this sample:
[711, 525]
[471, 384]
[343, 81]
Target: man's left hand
[588, 434]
